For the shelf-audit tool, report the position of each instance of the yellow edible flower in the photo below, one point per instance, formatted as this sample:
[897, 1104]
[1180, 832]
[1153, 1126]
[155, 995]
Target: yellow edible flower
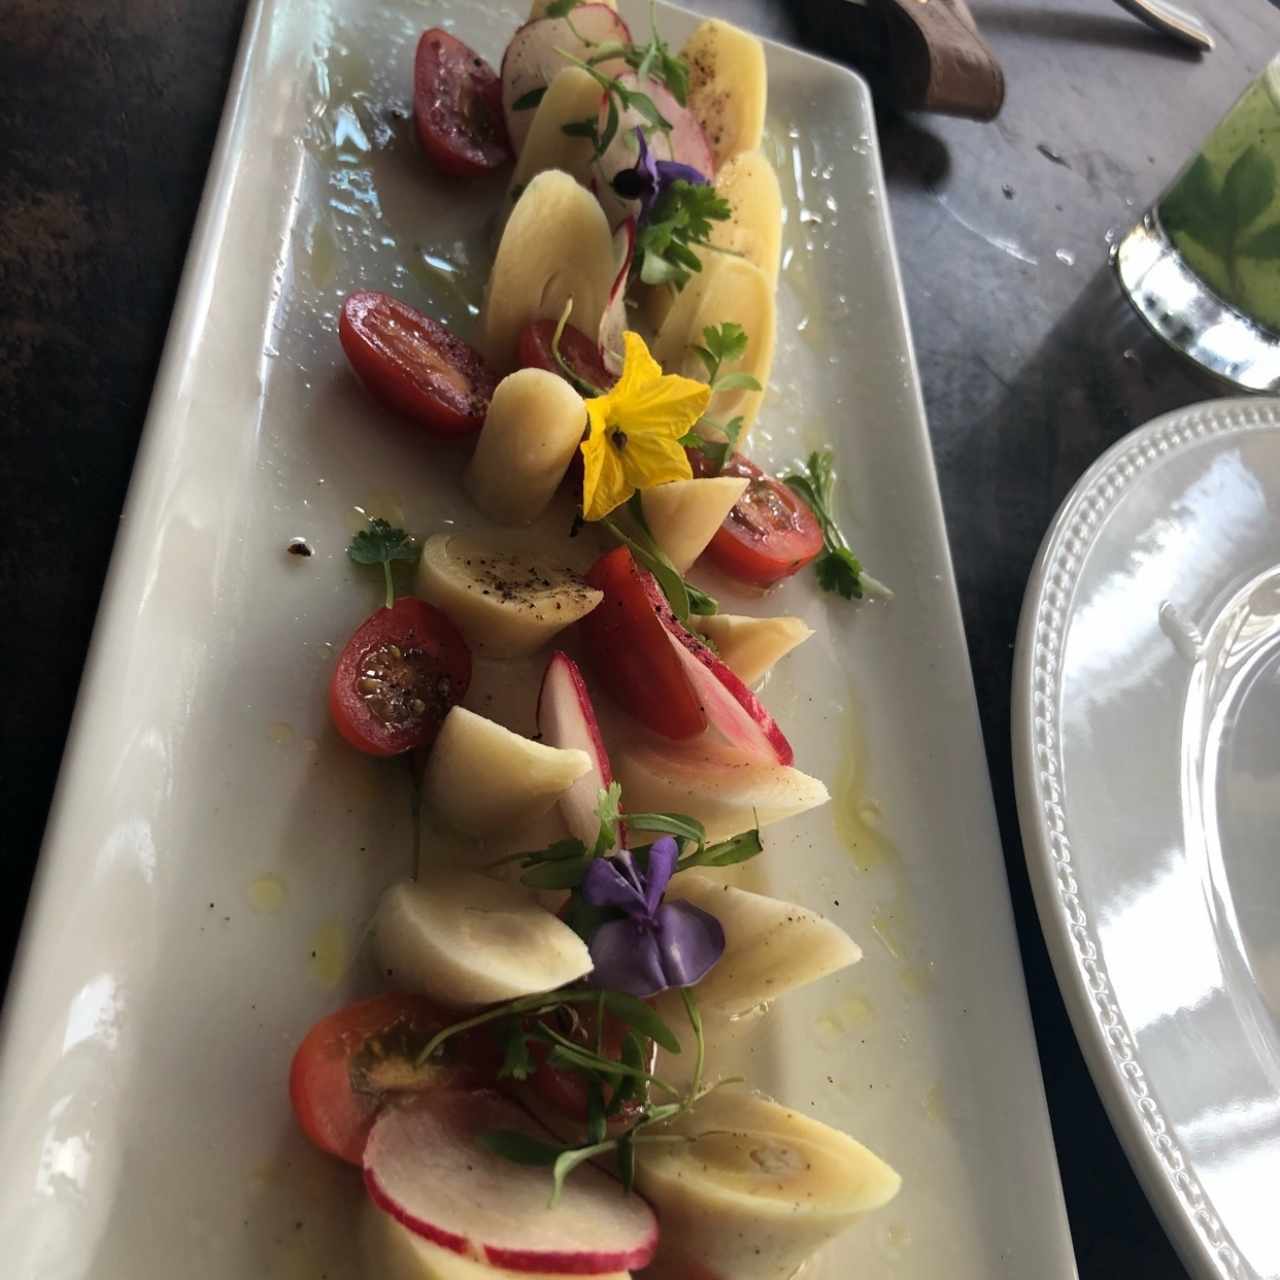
[633, 441]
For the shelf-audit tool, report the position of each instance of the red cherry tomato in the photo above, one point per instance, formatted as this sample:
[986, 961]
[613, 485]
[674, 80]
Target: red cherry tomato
[414, 365]
[630, 652]
[457, 107]
[397, 678]
[533, 351]
[770, 533]
[349, 1062]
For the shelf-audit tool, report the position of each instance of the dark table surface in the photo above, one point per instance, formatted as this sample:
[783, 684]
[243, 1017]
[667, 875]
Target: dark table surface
[1031, 363]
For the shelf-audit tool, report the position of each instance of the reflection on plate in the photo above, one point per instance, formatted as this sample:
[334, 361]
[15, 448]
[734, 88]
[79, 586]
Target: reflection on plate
[1147, 728]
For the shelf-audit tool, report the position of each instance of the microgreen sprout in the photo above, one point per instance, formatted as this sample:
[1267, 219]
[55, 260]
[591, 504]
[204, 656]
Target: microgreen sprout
[383, 544]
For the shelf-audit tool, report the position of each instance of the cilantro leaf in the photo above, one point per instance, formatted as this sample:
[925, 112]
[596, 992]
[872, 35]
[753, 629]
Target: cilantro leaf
[679, 222]
[724, 345]
[608, 810]
[380, 543]
[838, 569]
[840, 572]
[716, 452]
[383, 544]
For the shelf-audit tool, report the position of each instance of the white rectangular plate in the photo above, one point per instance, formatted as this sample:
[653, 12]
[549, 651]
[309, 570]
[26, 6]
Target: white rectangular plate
[214, 851]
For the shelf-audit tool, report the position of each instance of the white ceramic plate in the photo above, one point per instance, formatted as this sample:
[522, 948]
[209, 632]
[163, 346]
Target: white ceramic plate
[1147, 731]
[214, 851]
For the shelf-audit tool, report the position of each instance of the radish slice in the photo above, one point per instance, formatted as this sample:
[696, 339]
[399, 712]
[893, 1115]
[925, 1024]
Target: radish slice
[567, 719]
[686, 142]
[536, 54]
[423, 1164]
[614, 322]
[731, 707]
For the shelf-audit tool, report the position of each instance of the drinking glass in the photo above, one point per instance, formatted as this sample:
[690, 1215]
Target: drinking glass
[1203, 266]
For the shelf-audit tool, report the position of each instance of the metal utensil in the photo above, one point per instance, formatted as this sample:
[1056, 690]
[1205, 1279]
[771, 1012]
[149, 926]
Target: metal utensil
[1172, 20]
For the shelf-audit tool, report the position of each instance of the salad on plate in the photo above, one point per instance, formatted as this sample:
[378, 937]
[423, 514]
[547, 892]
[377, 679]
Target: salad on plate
[531, 1094]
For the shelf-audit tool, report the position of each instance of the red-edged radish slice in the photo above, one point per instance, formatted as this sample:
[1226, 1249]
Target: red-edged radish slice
[614, 322]
[424, 1165]
[686, 142]
[732, 709]
[536, 54]
[729, 706]
[625, 641]
[566, 719]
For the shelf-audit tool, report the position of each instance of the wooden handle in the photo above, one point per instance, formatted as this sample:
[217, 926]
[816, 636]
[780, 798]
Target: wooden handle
[923, 55]
[938, 60]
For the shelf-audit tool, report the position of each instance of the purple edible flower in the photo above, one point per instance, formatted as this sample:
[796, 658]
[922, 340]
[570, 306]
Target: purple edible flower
[650, 178]
[658, 944]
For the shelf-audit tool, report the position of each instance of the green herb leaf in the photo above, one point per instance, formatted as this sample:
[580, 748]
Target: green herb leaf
[555, 875]
[646, 107]
[680, 221]
[656, 60]
[584, 919]
[629, 1086]
[642, 1018]
[609, 811]
[725, 345]
[716, 452]
[520, 1148]
[1249, 186]
[670, 824]
[558, 8]
[381, 543]
[627, 1161]
[653, 558]
[725, 853]
[660, 1114]
[580, 128]
[570, 1160]
[838, 569]
[527, 101]
[702, 604]
[610, 130]
[656, 270]
[559, 851]
[737, 382]
[517, 1061]
[597, 1125]
[1193, 208]
[1264, 245]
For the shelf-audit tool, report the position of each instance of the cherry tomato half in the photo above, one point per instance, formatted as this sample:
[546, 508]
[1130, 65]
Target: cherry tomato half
[397, 678]
[770, 533]
[628, 648]
[414, 365]
[350, 1061]
[533, 351]
[457, 107]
